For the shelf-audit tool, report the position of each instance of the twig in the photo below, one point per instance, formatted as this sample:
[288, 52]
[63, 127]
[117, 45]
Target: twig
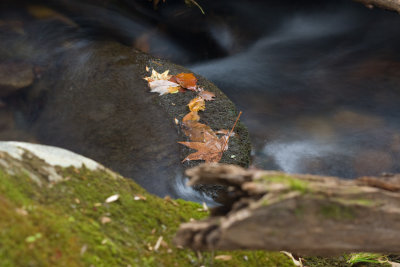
[229, 135]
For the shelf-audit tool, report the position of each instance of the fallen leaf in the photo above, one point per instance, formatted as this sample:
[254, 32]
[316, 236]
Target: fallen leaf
[295, 262]
[163, 87]
[158, 76]
[83, 249]
[198, 132]
[112, 198]
[197, 104]
[210, 151]
[187, 80]
[209, 147]
[21, 211]
[207, 95]
[157, 245]
[139, 197]
[191, 116]
[105, 220]
[223, 257]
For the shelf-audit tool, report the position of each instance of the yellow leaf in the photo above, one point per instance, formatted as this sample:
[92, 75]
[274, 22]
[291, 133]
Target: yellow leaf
[197, 104]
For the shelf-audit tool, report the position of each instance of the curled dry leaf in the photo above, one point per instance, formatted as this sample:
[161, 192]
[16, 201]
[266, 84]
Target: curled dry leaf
[207, 95]
[197, 104]
[187, 80]
[112, 198]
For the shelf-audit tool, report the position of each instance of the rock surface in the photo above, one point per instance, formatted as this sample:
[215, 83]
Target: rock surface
[312, 215]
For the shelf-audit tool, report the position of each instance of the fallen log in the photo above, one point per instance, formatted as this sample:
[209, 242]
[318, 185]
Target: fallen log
[306, 214]
[393, 5]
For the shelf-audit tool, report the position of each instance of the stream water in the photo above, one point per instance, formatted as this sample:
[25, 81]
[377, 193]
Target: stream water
[318, 82]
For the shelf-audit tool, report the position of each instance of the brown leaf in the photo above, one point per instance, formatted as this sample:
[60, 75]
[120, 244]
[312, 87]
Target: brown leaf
[197, 104]
[187, 80]
[198, 132]
[207, 95]
[210, 151]
[191, 116]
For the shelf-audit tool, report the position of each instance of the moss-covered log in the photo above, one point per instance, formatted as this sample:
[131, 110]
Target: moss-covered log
[307, 214]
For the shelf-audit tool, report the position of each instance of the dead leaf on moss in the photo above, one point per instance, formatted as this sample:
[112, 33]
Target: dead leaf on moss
[21, 211]
[158, 76]
[210, 151]
[112, 198]
[105, 220]
[191, 116]
[210, 148]
[197, 104]
[223, 257]
[158, 243]
[163, 87]
[139, 197]
[197, 131]
[207, 95]
[187, 81]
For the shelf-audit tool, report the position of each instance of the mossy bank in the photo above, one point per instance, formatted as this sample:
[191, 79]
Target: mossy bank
[69, 223]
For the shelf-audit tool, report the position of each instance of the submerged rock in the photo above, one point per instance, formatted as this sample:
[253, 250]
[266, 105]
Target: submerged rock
[14, 76]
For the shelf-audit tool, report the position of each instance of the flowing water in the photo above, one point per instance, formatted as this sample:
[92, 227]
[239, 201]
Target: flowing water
[318, 82]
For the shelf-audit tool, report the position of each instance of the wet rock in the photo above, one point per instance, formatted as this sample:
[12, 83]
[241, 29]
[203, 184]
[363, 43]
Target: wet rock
[14, 76]
[93, 100]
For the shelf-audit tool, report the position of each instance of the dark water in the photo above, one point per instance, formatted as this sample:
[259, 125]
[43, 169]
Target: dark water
[319, 91]
[318, 81]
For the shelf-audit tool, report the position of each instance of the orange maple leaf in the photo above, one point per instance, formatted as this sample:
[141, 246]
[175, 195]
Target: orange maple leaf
[210, 151]
[209, 147]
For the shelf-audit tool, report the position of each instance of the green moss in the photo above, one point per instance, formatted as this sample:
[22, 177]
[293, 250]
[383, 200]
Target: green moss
[337, 211]
[293, 183]
[61, 225]
[371, 258]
